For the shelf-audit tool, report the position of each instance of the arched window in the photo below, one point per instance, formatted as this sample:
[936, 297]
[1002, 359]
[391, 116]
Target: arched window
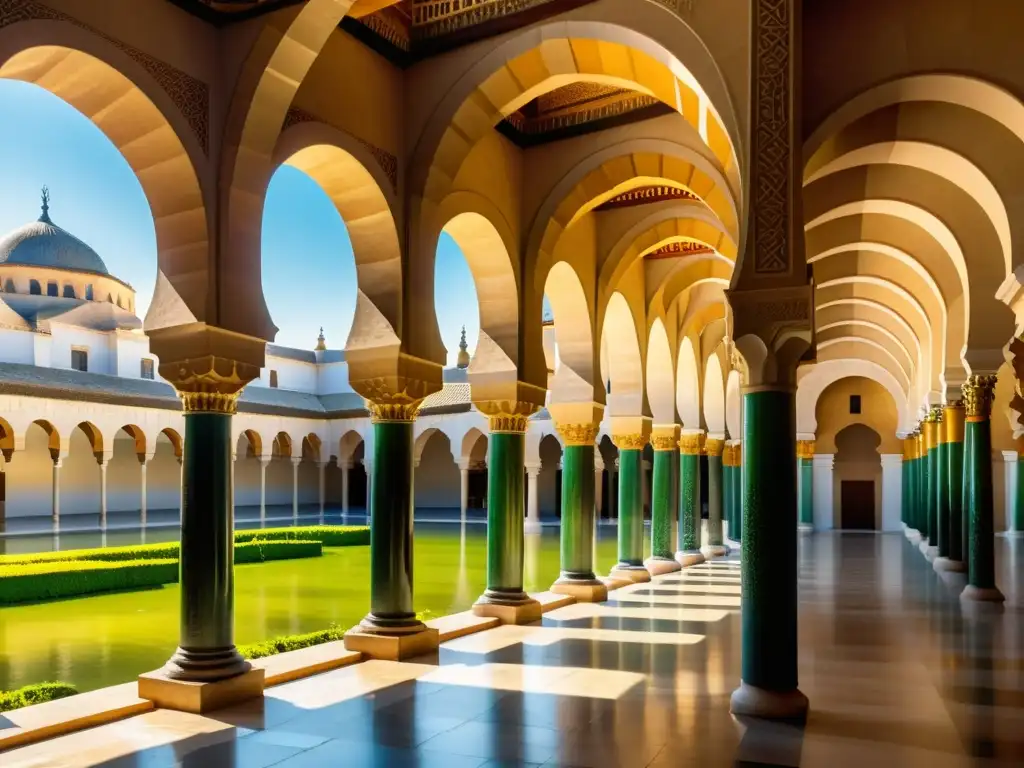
[88, 293]
[119, 302]
[34, 288]
[52, 289]
[9, 286]
[69, 291]
[110, 299]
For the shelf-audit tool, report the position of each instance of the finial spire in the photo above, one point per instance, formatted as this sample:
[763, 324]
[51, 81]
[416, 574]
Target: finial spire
[45, 216]
[321, 342]
[463, 361]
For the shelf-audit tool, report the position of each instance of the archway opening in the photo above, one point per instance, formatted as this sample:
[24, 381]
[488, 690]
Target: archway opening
[858, 478]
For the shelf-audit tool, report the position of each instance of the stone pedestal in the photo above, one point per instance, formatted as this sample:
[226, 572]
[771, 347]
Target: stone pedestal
[200, 697]
[392, 647]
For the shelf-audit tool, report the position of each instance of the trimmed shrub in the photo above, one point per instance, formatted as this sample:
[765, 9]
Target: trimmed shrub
[328, 535]
[39, 693]
[260, 551]
[48, 581]
[290, 643]
[168, 551]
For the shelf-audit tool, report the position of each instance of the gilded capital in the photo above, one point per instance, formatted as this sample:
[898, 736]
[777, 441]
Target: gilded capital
[805, 449]
[634, 441]
[665, 437]
[507, 416]
[979, 393]
[578, 434]
[393, 411]
[690, 444]
[953, 422]
[209, 384]
[714, 446]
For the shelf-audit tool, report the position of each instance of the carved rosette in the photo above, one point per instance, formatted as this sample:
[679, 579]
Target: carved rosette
[578, 434]
[690, 444]
[634, 441]
[805, 449]
[508, 416]
[979, 394]
[714, 446]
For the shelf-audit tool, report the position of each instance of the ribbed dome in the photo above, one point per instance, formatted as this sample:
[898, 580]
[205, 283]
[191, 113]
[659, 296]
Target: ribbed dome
[43, 244]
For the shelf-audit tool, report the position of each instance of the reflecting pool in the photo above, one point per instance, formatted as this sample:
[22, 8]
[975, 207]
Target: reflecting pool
[103, 640]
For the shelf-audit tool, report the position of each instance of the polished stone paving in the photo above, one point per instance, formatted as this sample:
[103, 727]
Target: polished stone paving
[897, 675]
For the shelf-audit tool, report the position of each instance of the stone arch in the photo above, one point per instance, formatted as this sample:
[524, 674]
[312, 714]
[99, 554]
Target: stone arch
[624, 368]
[8, 439]
[311, 446]
[139, 117]
[350, 177]
[280, 56]
[471, 443]
[555, 54]
[660, 375]
[53, 439]
[255, 441]
[714, 396]
[733, 405]
[825, 373]
[138, 436]
[489, 254]
[283, 445]
[92, 433]
[175, 438]
[348, 444]
[575, 379]
[688, 386]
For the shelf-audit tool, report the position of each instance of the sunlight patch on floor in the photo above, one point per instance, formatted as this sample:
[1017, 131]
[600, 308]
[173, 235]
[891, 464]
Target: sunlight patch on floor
[504, 637]
[599, 611]
[527, 678]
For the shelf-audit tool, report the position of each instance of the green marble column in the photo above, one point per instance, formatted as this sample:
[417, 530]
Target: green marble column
[727, 468]
[939, 478]
[664, 499]
[769, 558]
[737, 490]
[391, 526]
[1017, 523]
[930, 545]
[919, 495]
[979, 392]
[504, 596]
[953, 434]
[577, 529]
[908, 486]
[713, 447]
[631, 510]
[206, 646]
[805, 468]
[688, 542]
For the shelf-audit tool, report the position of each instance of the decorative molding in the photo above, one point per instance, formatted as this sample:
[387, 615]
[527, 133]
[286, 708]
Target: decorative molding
[630, 442]
[578, 434]
[209, 402]
[714, 446]
[508, 423]
[681, 8]
[439, 18]
[772, 150]
[190, 95]
[387, 161]
[679, 248]
[654, 193]
[691, 444]
[621, 103]
[393, 411]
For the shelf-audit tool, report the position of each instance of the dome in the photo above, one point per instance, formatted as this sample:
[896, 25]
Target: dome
[43, 244]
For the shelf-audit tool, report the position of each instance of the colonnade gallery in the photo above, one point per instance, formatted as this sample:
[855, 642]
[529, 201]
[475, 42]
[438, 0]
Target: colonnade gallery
[747, 278]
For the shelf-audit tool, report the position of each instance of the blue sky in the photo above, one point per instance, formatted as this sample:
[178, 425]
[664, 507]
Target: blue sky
[309, 274]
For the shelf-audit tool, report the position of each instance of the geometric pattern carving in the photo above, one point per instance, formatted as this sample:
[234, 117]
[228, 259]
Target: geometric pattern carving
[574, 105]
[655, 193]
[672, 250]
[387, 161]
[772, 146]
[189, 94]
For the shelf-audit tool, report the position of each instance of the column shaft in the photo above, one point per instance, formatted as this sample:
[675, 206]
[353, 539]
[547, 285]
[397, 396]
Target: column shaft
[1017, 520]
[206, 649]
[769, 564]
[143, 473]
[631, 511]
[263, 489]
[930, 464]
[713, 448]
[689, 500]
[55, 496]
[806, 468]
[295, 488]
[463, 491]
[391, 525]
[344, 489]
[940, 463]
[322, 469]
[663, 502]
[578, 513]
[727, 469]
[103, 494]
[953, 425]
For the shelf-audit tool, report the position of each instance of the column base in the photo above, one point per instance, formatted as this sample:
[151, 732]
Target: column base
[508, 609]
[931, 553]
[714, 550]
[923, 545]
[689, 557]
[946, 564]
[200, 697]
[750, 701]
[208, 666]
[584, 591]
[634, 573]
[805, 527]
[532, 526]
[981, 594]
[913, 536]
[392, 646]
[659, 566]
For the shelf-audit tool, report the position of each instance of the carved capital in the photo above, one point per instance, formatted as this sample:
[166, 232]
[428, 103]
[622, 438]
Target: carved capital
[714, 446]
[393, 384]
[507, 416]
[634, 441]
[953, 422]
[979, 394]
[805, 449]
[691, 443]
[772, 329]
[665, 437]
[578, 434]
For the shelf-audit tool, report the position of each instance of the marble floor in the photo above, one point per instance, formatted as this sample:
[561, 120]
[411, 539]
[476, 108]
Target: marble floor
[896, 673]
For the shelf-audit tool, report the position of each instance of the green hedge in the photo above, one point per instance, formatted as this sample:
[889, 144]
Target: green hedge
[290, 643]
[260, 551]
[328, 535]
[34, 694]
[49, 581]
[168, 551]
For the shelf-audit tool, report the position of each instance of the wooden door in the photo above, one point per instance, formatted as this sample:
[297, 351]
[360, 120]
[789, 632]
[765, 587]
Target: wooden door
[858, 505]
